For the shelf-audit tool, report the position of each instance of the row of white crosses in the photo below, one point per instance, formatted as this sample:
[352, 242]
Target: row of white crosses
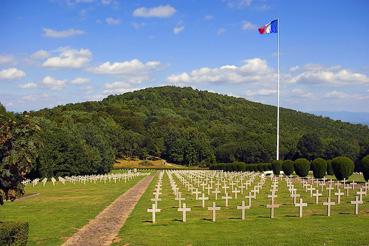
[116, 177]
[157, 192]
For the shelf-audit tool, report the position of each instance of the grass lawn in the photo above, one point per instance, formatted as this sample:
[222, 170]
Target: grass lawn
[315, 228]
[59, 210]
[156, 164]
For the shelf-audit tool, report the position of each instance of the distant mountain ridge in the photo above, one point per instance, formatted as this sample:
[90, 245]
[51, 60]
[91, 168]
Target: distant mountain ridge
[351, 117]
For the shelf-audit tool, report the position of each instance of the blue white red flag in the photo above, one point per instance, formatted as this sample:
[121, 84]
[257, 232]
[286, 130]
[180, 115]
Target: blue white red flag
[271, 27]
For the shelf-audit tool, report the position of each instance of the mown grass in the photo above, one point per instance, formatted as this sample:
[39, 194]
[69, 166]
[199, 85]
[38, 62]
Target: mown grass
[58, 211]
[315, 228]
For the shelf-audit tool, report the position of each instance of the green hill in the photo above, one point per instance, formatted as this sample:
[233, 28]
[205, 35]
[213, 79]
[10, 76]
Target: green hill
[187, 126]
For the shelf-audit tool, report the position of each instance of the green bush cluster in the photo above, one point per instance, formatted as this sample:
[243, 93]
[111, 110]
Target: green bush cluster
[329, 168]
[241, 166]
[13, 233]
[288, 167]
[365, 167]
[302, 167]
[277, 166]
[343, 167]
[319, 167]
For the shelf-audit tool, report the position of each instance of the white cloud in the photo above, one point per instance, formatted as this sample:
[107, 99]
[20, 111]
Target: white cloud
[40, 54]
[69, 58]
[52, 83]
[247, 25]
[221, 31]
[178, 28]
[51, 33]
[11, 73]
[30, 85]
[137, 25]
[208, 17]
[238, 3]
[118, 87]
[317, 74]
[261, 92]
[336, 95]
[35, 97]
[7, 59]
[162, 11]
[301, 93]
[79, 81]
[112, 21]
[107, 2]
[134, 71]
[252, 70]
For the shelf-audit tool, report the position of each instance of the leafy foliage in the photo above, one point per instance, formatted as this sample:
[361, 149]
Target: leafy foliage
[319, 167]
[288, 167]
[14, 233]
[302, 167]
[343, 167]
[329, 167]
[365, 167]
[277, 166]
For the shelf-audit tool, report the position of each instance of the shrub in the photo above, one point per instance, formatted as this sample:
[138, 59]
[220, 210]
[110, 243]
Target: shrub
[365, 167]
[277, 166]
[343, 167]
[319, 167]
[13, 233]
[288, 167]
[302, 167]
[329, 168]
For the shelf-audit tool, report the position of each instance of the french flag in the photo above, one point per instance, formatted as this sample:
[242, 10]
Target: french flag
[271, 27]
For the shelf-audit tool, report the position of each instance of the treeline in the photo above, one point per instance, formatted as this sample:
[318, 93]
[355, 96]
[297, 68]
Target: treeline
[241, 167]
[183, 126]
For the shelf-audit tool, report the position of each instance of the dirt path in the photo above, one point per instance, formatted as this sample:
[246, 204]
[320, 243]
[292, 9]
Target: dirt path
[106, 225]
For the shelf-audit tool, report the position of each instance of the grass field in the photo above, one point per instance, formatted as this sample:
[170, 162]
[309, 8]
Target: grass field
[155, 164]
[315, 228]
[58, 211]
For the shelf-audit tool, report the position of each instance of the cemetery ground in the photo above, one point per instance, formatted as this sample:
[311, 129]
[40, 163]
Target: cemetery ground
[314, 228]
[55, 213]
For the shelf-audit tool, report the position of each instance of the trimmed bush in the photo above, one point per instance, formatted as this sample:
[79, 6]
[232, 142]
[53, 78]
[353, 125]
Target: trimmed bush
[241, 166]
[329, 168]
[319, 167]
[13, 233]
[302, 167]
[288, 167]
[277, 166]
[365, 167]
[343, 167]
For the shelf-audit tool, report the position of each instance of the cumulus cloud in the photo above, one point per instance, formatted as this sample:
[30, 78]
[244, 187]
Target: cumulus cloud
[118, 87]
[51, 33]
[112, 21]
[261, 92]
[318, 74]
[53, 83]
[252, 70]
[162, 11]
[178, 28]
[208, 17]
[134, 71]
[69, 58]
[7, 59]
[40, 54]
[79, 81]
[336, 95]
[238, 3]
[30, 85]
[247, 25]
[221, 31]
[11, 73]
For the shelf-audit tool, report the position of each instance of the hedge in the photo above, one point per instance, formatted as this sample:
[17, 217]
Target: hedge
[241, 166]
[288, 167]
[13, 233]
[302, 167]
[319, 167]
[343, 167]
[365, 167]
[277, 166]
[329, 168]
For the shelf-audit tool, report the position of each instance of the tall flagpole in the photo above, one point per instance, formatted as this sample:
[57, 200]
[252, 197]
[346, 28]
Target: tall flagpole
[278, 29]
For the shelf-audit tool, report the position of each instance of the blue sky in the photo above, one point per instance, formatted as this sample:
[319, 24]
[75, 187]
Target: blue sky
[62, 51]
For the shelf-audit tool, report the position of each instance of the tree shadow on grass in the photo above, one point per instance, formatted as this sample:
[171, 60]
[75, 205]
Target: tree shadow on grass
[206, 219]
[291, 216]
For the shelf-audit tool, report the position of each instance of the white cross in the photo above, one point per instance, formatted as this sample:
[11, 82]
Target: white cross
[328, 203]
[226, 198]
[235, 191]
[347, 188]
[249, 197]
[317, 195]
[156, 199]
[330, 188]
[214, 208]
[243, 208]
[361, 193]
[179, 198]
[356, 203]
[339, 194]
[300, 205]
[272, 207]
[216, 192]
[203, 198]
[184, 210]
[153, 210]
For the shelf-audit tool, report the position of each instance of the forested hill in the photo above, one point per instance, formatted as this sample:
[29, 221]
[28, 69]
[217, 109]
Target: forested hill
[188, 126]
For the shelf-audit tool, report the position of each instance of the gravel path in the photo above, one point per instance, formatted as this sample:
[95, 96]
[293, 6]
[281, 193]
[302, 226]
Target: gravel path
[106, 225]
